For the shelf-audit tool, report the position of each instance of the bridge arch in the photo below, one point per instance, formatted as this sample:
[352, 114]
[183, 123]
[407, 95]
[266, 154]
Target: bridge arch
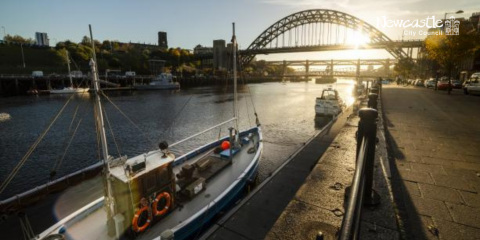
[319, 16]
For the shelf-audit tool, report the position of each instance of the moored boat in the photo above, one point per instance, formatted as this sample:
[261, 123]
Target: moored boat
[71, 89]
[329, 104]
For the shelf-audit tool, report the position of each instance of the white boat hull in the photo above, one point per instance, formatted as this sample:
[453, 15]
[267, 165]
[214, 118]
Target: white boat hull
[69, 90]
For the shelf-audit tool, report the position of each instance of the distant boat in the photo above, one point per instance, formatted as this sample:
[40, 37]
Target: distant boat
[164, 81]
[71, 89]
[325, 80]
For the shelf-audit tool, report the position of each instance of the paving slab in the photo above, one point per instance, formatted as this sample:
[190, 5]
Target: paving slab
[437, 197]
[440, 193]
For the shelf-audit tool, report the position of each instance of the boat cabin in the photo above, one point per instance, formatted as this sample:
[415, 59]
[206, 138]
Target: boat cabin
[140, 181]
[329, 94]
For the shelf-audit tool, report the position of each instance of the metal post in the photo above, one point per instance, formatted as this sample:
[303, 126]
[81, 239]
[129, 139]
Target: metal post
[368, 124]
[372, 100]
[230, 153]
[23, 56]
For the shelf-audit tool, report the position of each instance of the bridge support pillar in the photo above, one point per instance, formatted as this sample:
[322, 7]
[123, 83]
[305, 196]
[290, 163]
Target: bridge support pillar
[387, 67]
[331, 68]
[307, 67]
[358, 70]
[284, 68]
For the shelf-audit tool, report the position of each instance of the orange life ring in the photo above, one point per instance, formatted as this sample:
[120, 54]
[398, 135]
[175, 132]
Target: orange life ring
[165, 195]
[135, 226]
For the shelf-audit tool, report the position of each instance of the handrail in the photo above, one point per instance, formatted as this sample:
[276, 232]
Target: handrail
[361, 192]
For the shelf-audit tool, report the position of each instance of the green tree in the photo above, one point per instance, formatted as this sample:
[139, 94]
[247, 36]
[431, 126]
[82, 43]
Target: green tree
[404, 66]
[450, 50]
[18, 39]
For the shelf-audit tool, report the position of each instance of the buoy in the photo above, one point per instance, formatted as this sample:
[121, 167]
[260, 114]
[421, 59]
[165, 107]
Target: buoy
[225, 145]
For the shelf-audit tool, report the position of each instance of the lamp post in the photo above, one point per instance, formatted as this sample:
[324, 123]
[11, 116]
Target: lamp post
[23, 56]
[4, 34]
[449, 73]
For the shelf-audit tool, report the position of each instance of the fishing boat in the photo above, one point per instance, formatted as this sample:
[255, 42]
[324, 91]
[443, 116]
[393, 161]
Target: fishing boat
[329, 104]
[164, 81]
[71, 89]
[157, 195]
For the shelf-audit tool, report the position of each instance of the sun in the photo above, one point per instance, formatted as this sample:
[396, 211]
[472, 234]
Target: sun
[358, 39]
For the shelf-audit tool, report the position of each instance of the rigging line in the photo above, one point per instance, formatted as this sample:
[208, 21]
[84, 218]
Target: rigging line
[251, 99]
[32, 148]
[129, 119]
[60, 161]
[73, 118]
[111, 132]
[177, 115]
[246, 102]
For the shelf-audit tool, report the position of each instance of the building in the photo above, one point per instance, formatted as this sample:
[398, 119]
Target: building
[219, 54]
[162, 40]
[201, 50]
[42, 39]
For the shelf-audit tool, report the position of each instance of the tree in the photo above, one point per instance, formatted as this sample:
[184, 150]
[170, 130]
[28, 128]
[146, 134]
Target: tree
[449, 50]
[404, 66]
[18, 39]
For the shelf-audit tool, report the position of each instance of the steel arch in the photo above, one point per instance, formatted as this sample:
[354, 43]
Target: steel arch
[319, 16]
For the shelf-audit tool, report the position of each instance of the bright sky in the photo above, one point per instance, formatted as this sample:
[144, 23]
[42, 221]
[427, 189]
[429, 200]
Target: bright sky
[192, 22]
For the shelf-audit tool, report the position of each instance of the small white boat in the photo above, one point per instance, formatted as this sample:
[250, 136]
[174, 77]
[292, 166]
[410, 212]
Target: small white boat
[329, 104]
[68, 90]
[164, 81]
[71, 89]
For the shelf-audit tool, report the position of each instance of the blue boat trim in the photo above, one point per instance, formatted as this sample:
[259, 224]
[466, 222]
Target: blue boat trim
[201, 220]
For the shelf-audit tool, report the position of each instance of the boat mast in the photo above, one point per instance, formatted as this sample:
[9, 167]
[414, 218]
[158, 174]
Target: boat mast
[235, 95]
[69, 75]
[109, 200]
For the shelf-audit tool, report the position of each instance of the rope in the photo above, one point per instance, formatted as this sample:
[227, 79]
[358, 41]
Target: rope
[170, 127]
[58, 163]
[130, 120]
[73, 118]
[111, 132]
[32, 148]
[251, 100]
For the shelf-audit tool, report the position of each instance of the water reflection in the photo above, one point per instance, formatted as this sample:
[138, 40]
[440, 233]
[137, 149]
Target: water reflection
[322, 121]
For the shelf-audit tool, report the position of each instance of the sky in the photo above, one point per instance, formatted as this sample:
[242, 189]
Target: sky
[192, 22]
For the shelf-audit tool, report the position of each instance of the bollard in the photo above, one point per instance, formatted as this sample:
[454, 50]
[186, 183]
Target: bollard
[367, 129]
[372, 100]
[320, 236]
[374, 90]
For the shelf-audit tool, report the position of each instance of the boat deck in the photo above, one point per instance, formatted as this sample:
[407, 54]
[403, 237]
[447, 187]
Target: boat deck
[255, 215]
[93, 226]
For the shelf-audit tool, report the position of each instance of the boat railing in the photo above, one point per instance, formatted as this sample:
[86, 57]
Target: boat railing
[19, 201]
[361, 192]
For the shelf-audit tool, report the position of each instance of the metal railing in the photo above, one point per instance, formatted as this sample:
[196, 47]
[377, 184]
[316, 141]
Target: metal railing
[361, 191]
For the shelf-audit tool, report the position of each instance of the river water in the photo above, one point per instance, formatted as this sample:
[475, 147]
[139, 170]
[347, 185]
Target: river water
[285, 110]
